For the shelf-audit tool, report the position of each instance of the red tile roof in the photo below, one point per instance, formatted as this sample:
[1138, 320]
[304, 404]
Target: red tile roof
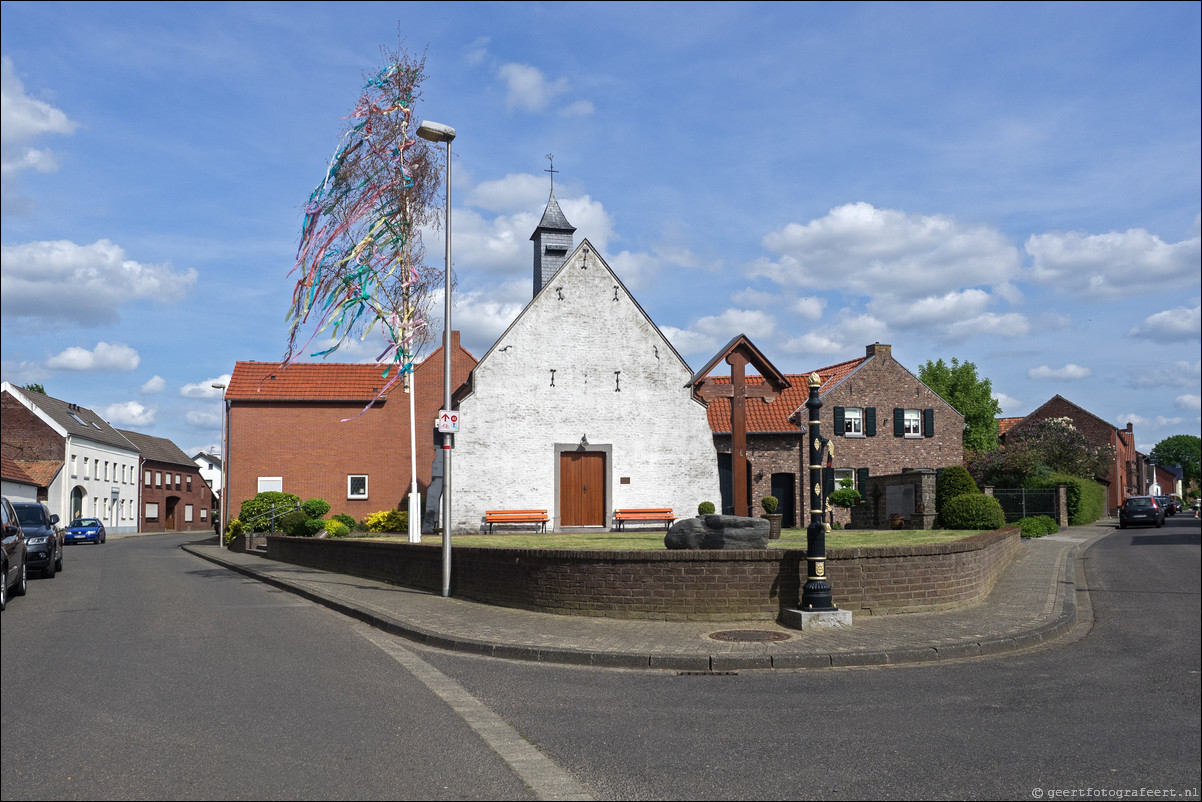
[13, 472]
[41, 471]
[1006, 424]
[321, 381]
[773, 416]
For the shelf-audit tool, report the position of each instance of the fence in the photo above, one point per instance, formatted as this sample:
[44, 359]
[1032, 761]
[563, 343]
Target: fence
[1023, 503]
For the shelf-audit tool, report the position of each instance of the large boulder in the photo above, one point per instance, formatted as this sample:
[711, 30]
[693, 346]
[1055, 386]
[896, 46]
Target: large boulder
[718, 532]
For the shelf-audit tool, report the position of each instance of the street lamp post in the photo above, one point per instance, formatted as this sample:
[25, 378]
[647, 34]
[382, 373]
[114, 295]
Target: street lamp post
[437, 132]
[816, 595]
[224, 462]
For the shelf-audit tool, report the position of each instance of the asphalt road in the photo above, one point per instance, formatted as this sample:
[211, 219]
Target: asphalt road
[143, 672]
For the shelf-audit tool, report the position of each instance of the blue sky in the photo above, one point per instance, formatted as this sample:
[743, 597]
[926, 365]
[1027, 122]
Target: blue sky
[1016, 185]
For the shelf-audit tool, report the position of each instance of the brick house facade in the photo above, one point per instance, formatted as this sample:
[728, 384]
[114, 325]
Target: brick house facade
[300, 431]
[1124, 476]
[880, 418]
[174, 496]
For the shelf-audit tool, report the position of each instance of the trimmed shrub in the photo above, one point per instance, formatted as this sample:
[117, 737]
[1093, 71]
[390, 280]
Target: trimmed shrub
[1038, 526]
[973, 511]
[345, 519]
[845, 497]
[262, 505]
[336, 528]
[770, 504]
[315, 508]
[705, 508]
[293, 523]
[954, 481]
[387, 521]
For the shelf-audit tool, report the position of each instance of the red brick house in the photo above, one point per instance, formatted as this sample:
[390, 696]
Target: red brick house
[174, 496]
[880, 418]
[1123, 478]
[300, 430]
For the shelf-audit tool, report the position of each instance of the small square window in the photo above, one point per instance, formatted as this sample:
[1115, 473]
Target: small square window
[356, 486]
[853, 422]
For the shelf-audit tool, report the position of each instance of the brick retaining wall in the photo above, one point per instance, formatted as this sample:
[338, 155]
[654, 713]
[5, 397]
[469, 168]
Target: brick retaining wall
[675, 585]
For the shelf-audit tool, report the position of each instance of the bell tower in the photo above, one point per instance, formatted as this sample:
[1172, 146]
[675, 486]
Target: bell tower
[552, 238]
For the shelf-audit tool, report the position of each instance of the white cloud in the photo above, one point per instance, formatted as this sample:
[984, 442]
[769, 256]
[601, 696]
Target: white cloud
[477, 51]
[691, 343]
[813, 342]
[1114, 265]
[154, 385]
[203, 419]
[859, 249]
[1172, 325]
[845, 337]
[105, 357]
[1068, 372]
[1188, 401]
[1008, 404]
[82, 285]
[1157, 422]
[128, 413]
[501, 243]
[756, 324]
[810, 308]
[205, 389]
[931, 311]
[1158, 374]
[527, 89]
[991, 324]
[22, 120]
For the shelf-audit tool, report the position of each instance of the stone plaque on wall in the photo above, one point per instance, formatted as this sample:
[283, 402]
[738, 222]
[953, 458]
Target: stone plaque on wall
[899, 498]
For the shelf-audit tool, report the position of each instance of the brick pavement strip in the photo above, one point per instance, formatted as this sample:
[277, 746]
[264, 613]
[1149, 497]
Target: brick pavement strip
[1031, 604]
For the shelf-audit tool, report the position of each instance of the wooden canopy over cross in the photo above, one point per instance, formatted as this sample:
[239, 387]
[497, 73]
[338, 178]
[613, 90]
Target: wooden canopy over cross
[739, 353]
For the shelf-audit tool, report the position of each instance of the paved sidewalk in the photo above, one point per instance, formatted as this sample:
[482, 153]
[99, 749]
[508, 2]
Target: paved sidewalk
[1035, 601]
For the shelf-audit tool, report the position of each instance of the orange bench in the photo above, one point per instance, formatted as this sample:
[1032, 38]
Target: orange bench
[516, 517]
[662, 514]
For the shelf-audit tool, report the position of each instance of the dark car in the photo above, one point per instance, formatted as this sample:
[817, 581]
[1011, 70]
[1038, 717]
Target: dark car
[1166, 504]
[43, 538]
[85, 530]
[12, 557]
[1139, 510]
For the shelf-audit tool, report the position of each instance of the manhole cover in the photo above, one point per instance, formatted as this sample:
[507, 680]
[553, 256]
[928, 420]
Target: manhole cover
[749, 636]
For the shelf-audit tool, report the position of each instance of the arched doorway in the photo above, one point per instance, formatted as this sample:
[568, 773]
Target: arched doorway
[78, 496]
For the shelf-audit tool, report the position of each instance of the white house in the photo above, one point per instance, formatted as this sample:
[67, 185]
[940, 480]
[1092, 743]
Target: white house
[99, 473]
[581, 407]
[210, 469]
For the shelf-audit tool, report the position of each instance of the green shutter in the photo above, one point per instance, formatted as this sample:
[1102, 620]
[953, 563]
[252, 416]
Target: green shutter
[928, 423]
[870, 422]
[839, 422]
[862, 481]
[899, 422]
[828, 481]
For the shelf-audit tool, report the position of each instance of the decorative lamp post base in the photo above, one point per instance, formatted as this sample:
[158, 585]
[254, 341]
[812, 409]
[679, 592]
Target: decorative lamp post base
[815, 619]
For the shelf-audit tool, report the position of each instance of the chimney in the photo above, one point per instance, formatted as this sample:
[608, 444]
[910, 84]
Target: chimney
[876, 349]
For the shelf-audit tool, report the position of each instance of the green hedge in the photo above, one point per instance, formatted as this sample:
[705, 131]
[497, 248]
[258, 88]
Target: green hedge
[264, 503]
[954, 481]
[1085, 498]
[1038, 526]
[973, 511]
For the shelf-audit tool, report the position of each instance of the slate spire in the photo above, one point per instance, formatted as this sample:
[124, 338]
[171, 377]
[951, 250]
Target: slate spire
[552, 239]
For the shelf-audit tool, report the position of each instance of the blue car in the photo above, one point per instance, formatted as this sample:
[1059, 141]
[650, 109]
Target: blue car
[85, 530]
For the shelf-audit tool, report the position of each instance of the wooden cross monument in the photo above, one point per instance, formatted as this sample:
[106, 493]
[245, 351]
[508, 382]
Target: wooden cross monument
[739, 353]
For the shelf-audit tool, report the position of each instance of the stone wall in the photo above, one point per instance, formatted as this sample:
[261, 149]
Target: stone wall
[675, 586]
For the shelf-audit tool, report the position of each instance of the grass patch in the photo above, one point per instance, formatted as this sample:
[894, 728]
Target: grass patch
[654, 540]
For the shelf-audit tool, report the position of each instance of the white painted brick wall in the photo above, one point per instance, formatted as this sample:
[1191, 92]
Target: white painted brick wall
[658, 435]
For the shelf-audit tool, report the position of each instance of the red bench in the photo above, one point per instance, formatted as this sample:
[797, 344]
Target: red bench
[538, 517]
[659, 514]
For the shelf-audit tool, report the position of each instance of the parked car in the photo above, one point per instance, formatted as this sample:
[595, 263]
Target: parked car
[1176, 502]
[43, 537]
[1138, 510]
[85, 530]
[1166, 504]
[12, 557]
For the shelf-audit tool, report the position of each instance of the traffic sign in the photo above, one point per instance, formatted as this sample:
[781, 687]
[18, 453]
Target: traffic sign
[448, 421]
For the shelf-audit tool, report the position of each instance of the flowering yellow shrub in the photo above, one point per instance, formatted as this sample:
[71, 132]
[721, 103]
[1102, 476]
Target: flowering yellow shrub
[387, 521]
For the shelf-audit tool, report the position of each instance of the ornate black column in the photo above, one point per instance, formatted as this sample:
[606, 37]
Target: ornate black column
[816, 595]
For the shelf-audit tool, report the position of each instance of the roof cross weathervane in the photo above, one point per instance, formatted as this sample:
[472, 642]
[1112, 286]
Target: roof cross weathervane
[552, 171]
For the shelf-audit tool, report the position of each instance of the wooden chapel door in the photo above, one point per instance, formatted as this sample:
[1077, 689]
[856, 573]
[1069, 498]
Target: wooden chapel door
[582, 488]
